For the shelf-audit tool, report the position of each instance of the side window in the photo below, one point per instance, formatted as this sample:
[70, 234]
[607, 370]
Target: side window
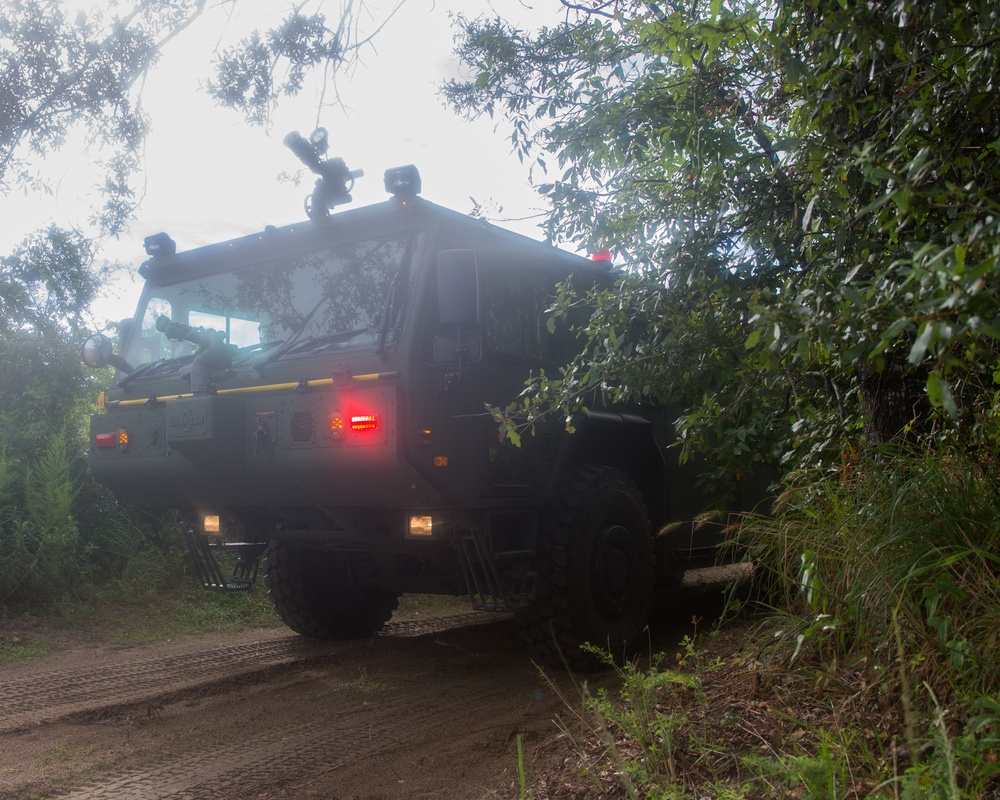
[240, 332]
[515, 305]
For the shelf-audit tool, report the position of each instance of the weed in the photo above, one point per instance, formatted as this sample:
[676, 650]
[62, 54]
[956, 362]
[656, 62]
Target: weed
[366, 684]
[823, 775]
[521, 781]
[15, 652]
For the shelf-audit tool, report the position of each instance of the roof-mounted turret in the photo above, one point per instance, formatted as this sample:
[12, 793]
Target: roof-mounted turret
[333, 188]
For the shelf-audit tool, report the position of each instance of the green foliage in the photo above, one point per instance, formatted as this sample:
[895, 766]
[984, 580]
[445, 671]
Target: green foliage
[637, 714]
[248, 74]
[48, 283]
[895, 564]
[822, 775]
[59, 72]
[46, 287]
[803, 196]
[59, 531]
[43, 554]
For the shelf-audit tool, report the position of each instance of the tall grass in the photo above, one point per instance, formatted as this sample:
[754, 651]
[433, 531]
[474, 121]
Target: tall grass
[895, 564]
[897, 559]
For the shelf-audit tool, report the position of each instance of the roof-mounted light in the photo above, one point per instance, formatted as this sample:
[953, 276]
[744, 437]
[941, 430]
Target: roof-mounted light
[159, 244]
[320, 140]
[403, 181]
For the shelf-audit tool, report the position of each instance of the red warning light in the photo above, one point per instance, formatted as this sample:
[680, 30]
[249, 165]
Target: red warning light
[601, 255]
[117, 441]
[364, 422]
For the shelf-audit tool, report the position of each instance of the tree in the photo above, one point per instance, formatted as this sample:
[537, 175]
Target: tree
[802, 194]
[46, 286]
[58, 74]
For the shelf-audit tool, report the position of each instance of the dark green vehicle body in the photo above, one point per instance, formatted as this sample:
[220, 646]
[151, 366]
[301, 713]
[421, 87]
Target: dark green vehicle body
[348, 433]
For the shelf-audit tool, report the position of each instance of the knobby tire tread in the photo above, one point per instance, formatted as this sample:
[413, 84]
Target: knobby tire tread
[549, 627]
[357, 613]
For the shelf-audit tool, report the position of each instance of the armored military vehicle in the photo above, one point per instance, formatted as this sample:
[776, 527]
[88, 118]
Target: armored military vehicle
[316, 396]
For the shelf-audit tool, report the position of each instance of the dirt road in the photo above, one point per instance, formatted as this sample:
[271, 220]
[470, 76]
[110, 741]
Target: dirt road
[423, 710]
[426, 709]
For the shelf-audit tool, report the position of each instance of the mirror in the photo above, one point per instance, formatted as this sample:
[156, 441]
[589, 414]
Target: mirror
[97, 351]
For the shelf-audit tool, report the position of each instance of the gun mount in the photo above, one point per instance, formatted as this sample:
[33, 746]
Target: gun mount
[333, 188]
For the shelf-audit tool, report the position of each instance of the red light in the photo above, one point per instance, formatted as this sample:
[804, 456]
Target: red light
[108, 441]
[601, 255]
[364, 422]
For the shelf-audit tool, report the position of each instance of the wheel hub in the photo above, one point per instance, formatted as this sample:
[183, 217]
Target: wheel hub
[613, 569]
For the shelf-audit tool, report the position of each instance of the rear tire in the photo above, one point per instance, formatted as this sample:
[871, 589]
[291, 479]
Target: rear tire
[595, 572]
[315, 595]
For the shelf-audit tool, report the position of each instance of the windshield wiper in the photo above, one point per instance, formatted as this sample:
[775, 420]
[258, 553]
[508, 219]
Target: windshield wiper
[295, 338]
[153, 367]
[315, 342]
[251, 350]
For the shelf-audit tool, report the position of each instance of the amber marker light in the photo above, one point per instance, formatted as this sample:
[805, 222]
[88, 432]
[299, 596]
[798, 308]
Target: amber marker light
[335, 426]
[211, 524]
[421, 526]
[121, 440]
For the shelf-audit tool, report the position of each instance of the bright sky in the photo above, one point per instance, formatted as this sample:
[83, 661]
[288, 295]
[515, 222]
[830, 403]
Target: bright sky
[209, 176]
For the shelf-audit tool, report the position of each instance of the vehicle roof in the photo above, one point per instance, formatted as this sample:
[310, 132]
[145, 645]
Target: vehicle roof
[349, 225]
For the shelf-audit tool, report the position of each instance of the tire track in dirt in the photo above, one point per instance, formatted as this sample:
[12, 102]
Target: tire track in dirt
[42, 696]
[421, 712]
[314, 749]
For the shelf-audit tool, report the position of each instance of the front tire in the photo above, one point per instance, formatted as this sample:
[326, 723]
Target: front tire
[315, 595]
[595, 572]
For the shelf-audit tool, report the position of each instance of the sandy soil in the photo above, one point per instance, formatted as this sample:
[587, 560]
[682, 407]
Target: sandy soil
[428, 708]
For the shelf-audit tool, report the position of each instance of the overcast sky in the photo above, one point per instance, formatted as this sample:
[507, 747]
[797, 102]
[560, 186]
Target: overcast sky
[209, 176]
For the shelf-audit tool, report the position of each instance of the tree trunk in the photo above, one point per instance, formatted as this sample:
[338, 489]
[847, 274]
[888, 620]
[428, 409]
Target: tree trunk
[893, 400]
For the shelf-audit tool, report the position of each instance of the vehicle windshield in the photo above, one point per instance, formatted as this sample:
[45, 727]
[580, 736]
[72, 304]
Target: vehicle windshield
[332, 298]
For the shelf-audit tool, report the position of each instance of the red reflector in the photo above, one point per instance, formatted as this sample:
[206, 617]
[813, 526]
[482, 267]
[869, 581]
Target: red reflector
[364, 422]
[105, 439]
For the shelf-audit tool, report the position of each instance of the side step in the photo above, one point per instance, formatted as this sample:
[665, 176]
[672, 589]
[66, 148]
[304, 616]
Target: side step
[494, 585]
[210, 571]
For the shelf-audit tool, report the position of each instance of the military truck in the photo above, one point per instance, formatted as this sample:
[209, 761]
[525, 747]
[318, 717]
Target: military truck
[316, 396]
